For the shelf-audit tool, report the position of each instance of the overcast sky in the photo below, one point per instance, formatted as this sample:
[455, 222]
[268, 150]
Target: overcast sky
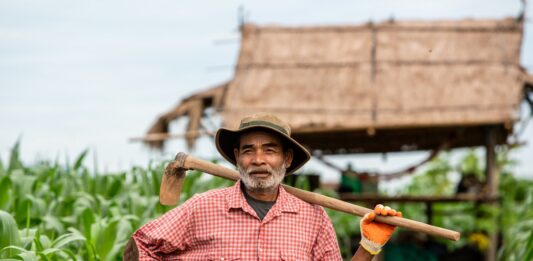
[91, 74]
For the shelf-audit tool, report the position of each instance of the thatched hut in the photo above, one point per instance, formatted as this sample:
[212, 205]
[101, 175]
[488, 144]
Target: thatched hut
[391, 86]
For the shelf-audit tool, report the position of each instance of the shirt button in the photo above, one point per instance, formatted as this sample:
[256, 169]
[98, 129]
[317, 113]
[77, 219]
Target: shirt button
[222, 258]
[260, 249]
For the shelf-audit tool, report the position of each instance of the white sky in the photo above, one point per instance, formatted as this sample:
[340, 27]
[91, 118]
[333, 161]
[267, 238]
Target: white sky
[91, 74]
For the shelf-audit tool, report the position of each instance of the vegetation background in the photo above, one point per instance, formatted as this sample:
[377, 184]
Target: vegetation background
[50, 211]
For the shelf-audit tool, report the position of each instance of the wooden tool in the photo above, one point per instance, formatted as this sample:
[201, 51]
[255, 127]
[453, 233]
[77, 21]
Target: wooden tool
[175, 174]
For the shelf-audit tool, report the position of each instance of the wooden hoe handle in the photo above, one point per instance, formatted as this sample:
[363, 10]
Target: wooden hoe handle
[188, 162]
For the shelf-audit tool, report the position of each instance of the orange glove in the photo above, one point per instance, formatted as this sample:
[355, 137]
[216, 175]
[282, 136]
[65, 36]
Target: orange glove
[374, 235]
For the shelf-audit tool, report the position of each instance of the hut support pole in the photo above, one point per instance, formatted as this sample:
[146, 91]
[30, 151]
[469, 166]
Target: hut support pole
[429, 212]
[492, 187]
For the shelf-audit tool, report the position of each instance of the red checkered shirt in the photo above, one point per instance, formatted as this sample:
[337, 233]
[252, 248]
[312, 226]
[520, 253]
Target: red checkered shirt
[220, 225]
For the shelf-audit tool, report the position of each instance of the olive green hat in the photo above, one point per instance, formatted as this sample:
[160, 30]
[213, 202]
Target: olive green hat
[226, 139]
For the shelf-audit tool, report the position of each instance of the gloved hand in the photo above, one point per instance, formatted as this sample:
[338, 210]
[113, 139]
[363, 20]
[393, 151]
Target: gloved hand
[374, 235]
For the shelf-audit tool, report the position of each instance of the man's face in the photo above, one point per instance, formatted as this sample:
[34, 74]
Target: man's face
[261, 161]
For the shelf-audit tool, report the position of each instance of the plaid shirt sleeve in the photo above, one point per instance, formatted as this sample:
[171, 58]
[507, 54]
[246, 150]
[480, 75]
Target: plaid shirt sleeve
[326, 246]
[165, 235]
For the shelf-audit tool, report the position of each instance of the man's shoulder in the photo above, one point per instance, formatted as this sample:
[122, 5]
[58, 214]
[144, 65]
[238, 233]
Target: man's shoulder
[210, 196]
[305, 206]
[203, 203]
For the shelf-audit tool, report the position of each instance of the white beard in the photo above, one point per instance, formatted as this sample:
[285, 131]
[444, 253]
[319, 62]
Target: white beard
[269, 184]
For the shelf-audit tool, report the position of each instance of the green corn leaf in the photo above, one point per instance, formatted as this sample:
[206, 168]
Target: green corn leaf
[2, 170]
[115, 187]
[53, 223]
[156, 181]
[56, 251]
[9, 234]
[37, 242]
[529, 248]
[28, 256]
[27, 236]
[65, 239]
[30, 210]
[123, 232]
[79, 161]
[22, 182]
[87, 220]
[42, 256]
[83, 200]
[17, 248]
[69, 253]
[23, 254]
[6, 193]
[14, 158]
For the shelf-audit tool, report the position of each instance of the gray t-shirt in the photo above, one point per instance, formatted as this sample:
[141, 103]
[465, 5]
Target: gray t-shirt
[261, 207]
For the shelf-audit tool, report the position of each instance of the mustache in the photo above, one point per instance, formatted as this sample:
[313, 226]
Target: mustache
[252, 170]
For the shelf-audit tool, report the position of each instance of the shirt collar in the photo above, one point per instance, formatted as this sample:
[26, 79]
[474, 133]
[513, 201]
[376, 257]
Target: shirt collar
[284, 203]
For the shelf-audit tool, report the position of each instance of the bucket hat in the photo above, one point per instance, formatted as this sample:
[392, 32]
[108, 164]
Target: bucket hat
[226, 139]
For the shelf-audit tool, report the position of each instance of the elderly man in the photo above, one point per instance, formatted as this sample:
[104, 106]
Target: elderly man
[256, 219]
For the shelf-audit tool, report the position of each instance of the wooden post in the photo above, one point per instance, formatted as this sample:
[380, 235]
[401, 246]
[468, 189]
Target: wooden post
[429, 212]
[492, 184]
[493, 180]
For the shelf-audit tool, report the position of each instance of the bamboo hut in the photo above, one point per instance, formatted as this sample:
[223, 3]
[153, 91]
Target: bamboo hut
[391, 86]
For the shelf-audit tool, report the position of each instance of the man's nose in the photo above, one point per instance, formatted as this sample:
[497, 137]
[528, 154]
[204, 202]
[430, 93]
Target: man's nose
[258, 158]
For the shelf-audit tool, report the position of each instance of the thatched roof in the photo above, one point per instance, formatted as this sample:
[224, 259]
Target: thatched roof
[379, 87]
[192, 107]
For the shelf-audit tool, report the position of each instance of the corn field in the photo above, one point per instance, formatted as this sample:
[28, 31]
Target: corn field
[50, 211]
[53, 212]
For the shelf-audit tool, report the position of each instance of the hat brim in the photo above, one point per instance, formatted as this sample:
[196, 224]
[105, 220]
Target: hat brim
[226, 140]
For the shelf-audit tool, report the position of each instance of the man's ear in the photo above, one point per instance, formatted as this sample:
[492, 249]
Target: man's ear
[236, 153]
[289, 157]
